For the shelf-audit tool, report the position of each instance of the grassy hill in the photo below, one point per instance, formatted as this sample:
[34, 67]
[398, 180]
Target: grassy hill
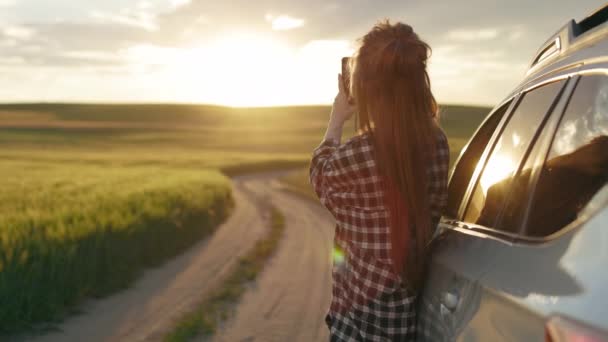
[184, 134]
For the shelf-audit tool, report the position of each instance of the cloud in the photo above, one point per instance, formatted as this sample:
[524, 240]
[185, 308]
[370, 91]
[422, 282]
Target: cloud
[11, 61]
[70, 45]
[136, 18]
[477, 56]
[8, 3]
[150, 54]
[516, 34]
[284, 22]
[178, 3]
[462, 74]
[144, 5]
[73, 36]
[18, 32]
[91, 56]
[473, 34]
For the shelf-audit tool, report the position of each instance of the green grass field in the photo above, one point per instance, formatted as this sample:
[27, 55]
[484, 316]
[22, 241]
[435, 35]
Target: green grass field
[92, 194]
[69, 232]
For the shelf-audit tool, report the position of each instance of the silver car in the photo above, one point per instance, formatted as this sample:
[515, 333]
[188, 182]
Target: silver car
[522, 251]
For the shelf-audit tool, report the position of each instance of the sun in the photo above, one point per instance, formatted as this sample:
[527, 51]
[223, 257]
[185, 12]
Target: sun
[247, 69]
[239, 69]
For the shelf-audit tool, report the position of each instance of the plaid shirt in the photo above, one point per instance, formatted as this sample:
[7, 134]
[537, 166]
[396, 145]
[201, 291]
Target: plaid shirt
[369, 301]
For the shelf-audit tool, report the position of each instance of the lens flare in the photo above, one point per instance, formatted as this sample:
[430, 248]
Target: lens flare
[338, 256]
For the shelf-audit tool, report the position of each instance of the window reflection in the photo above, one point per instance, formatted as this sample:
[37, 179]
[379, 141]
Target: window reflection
[590, 120]
[516, 139]
[507, 154]
[498, 169]
[468, 162]
[516, 204]
[577, 166]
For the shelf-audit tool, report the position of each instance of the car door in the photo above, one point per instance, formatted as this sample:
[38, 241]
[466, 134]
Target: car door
[447, 282]
[452, 304]
[551, 266]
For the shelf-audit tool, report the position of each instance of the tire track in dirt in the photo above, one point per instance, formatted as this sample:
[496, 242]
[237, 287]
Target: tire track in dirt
[290, 297]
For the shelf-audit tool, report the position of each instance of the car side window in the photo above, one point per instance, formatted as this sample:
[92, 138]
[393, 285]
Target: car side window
[577, 163]
[468, 161]
[512, 215]
[496, 178]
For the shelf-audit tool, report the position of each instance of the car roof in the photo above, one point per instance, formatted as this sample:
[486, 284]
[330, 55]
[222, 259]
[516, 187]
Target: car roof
[575, 44]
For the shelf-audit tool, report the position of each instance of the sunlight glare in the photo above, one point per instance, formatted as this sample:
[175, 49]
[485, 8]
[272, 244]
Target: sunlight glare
[498, 168]
[237, 70]
[255, 70]
[243, 69]
[284, 22]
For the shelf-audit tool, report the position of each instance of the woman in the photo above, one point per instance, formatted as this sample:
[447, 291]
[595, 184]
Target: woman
[386, 187]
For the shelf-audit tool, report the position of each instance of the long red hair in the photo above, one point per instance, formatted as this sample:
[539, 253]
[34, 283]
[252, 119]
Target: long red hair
[395, 105]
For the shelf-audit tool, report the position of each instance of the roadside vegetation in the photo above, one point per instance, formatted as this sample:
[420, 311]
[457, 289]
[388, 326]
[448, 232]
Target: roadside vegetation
[71, 233]
[219, 306]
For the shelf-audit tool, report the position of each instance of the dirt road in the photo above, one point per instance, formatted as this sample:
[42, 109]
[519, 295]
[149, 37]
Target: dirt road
[291, 296]
[287, 302]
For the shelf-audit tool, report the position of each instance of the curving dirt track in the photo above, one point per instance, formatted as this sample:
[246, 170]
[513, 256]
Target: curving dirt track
[286, 303]
[290, 298]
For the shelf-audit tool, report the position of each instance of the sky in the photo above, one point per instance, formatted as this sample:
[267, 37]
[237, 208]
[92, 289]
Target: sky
[258, 53]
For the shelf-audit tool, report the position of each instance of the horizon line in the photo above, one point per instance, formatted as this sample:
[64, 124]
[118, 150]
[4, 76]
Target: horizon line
[179, 103]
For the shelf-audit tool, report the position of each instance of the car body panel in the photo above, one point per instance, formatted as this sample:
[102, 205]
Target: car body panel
[531, 283]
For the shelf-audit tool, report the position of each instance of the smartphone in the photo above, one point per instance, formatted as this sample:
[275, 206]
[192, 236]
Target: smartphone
[346, 75]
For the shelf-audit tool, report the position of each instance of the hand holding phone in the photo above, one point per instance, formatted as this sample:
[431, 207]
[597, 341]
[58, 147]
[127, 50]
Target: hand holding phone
[343, 108]
[346, 76]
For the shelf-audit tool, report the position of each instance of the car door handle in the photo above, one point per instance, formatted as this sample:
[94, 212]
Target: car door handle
[464, 226]
[450, 301]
